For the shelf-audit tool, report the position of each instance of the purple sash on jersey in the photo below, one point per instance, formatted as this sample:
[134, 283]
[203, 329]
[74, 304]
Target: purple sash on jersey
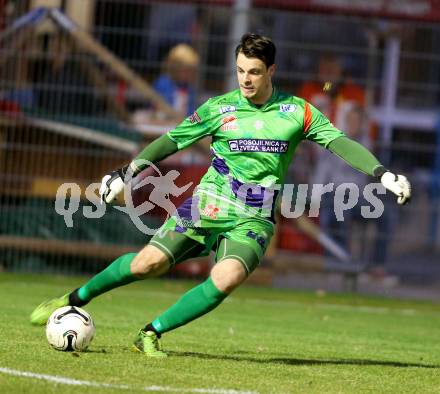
[220, 165]
[262, 198]
[188, 209]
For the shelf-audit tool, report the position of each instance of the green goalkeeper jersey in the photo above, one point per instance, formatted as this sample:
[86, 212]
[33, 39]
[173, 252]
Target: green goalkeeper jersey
[252, 145]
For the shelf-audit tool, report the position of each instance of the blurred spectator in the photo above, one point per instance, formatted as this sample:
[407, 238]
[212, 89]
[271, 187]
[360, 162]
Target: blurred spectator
[179, 73]
[21, 97]
[61, 84]
[434, 192]
[168, 27]
[332, 93]
[331, 169]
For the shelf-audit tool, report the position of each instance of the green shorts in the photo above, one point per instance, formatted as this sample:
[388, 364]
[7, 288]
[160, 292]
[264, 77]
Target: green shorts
[181, 237]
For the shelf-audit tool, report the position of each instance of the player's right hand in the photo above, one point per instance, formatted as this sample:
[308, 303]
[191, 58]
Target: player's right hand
[398, 184]
[111, 185]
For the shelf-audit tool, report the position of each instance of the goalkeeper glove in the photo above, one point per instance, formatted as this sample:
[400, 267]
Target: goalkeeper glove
[113, 184]
[398, 184]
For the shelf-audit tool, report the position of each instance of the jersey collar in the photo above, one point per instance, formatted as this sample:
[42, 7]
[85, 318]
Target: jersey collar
[271, 99]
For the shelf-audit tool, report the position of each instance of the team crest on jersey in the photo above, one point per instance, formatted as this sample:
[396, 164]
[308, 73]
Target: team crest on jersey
[287, 107]
[259, 124]
[195, 118]
[229, 123]
[228, 108]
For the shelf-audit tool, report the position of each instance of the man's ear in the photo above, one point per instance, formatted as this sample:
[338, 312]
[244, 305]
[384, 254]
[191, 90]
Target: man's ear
[271, 69]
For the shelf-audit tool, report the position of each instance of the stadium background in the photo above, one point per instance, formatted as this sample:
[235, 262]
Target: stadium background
[76, 125]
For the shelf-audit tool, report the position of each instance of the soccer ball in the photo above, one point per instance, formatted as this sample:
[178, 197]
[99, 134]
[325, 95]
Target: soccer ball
[70, 329]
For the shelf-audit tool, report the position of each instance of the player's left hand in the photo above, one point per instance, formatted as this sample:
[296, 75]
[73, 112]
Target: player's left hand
[399, 185]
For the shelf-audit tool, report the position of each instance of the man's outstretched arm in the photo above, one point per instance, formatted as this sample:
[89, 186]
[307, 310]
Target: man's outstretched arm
[194, 128]
[360, 158]
[158, 150]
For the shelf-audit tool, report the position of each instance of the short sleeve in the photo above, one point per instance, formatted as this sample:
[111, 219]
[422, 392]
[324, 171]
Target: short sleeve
[193, 128]
[318, 128]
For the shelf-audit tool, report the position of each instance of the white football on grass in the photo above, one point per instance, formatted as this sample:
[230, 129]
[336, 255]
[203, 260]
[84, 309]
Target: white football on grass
[70, 329]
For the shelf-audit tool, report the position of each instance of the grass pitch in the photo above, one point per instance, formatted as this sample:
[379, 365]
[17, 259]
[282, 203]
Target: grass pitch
[259, 341]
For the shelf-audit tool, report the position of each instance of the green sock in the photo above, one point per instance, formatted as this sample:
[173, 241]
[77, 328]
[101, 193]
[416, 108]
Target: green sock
[116, 274]
[193, 304]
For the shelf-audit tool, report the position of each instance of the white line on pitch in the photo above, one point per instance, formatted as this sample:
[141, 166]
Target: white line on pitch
[76, 382]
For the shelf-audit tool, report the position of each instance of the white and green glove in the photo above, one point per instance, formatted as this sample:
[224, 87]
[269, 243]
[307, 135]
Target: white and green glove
[398, 184]
[112, 184]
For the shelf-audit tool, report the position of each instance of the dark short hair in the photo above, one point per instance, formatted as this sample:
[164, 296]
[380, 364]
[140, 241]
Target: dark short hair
[254, 45]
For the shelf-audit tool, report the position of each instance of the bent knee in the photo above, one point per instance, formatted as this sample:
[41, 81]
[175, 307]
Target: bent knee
[149, 262]
[228, 274]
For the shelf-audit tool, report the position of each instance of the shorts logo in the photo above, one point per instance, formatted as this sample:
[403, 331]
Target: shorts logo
[287, 107]
[195, 118]
[179, 229]
[211, 211]
[260, 240]
[258, 145]
[228, 108]
[229, 123]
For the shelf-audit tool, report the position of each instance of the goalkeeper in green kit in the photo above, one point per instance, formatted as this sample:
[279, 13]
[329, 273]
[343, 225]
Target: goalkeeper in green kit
[255, 131]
